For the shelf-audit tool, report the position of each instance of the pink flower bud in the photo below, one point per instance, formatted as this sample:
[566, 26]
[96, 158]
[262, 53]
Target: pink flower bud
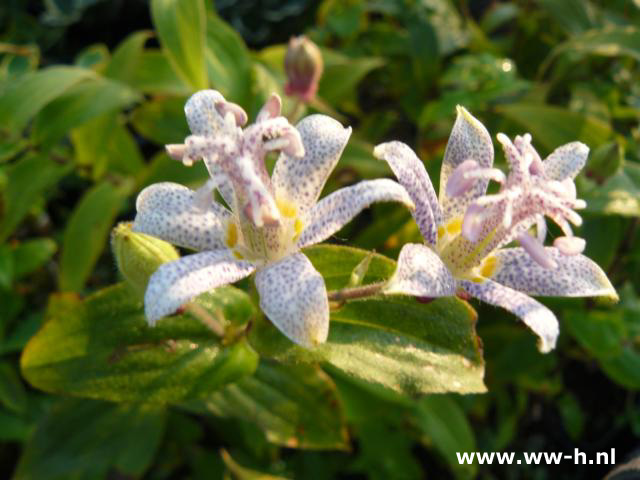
[303, 66]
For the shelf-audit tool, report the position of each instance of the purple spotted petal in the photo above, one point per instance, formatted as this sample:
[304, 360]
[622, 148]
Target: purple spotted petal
[175, 283]
[411, 174]
[535, 315]
[575, 276]
[205, 111]
[300, 180]
[566, 161]
[421, 273]
[469, 140]
[294, 298]
[335, 210]
[169, 211]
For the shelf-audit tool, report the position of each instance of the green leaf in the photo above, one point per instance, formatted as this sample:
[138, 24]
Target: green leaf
[31, 255]
[162, 120]
[126, 56]
[28, 180]
[99, 153]
[80, 103]
[181, 27]
[12, 392]
[243, 473]
[154, 75]
[619, 195]
[394, 342]
[611, 41]
[86, 233]
[102, 348]
[87, 438]
[148, 71]
[447, 428]
[296, 405]
[6, 267]
[342, 74]
[25, 98]
[574, 15]
[228, 61]
[553, 126]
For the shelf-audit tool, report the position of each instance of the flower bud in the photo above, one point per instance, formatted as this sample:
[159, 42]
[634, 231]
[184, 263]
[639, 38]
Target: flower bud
[138, 255]
[303, 66]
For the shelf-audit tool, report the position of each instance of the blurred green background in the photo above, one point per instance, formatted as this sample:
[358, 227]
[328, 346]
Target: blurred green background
[91, 90]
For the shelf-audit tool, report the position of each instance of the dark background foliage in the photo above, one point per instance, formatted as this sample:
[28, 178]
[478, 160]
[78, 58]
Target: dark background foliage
[71, 165]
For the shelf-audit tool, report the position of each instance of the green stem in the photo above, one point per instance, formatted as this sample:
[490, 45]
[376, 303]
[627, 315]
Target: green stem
[356, 292]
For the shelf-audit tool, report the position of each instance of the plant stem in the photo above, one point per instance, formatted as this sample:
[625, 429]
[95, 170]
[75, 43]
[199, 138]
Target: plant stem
[356, 292]
[198, 311]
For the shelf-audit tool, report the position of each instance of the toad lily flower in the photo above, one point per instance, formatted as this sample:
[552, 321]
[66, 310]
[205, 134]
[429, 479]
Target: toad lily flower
[267, 220]
[466, 230]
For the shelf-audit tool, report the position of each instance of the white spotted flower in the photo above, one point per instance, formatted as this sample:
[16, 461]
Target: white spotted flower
[466, 230]
[266, 219]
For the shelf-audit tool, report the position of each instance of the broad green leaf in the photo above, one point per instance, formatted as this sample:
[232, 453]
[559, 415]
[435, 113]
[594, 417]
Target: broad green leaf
[126, 56]
[27, 180]
[242, 473]
[553, 126]
[619, 195]
[165, 169]
[87, 438]
[14, 427]
[228, 61]
[181, 27]
[394, 342]
[296, 405]
[12, 392]
[23, 99]
[6, 267]
[102, 348]
[575, 16]
[80, 103]
[154, 75]
[611, 41]
[31, 255]
[86, 233]
[100, 154]
[94, 57]
[447, 429]
[342, 74]
[161, 120]
[148, 71]
[23, 331]
[10, 148]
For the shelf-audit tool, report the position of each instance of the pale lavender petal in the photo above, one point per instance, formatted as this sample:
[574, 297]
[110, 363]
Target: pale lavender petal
[239, 115]
[271, 108]
[473, 222]
[294, 298]
[203, 112]
[335, 210]
[566, 161]
[421, 273]
[169, 211]
[469, 139]
[459, 183]
[576, 275]
[570, 245]
[536, 251]
[299, 181]
[175, 283]
[410, 172]
[535, 315]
